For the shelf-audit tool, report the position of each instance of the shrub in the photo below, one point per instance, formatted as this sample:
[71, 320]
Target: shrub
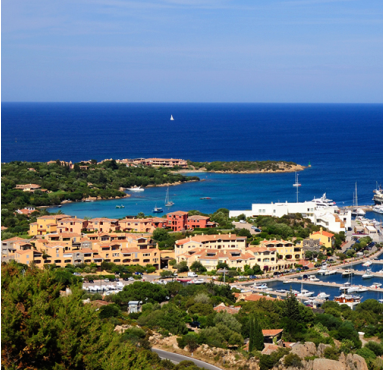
[368, 355]
[292, 360]
[375, 347]
[331, 353]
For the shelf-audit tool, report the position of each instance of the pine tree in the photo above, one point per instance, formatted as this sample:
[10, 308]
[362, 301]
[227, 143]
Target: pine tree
[256, 335]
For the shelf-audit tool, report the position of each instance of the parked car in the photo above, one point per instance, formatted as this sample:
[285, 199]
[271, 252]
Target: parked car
[77, 274]
[117, 273]
[138, 273]
[116, 279]
[192, 274]
[106, 280]
[125, 279]
[252, 277]
[293, 270]
[195, 324]
[90, 281]
[277, 273]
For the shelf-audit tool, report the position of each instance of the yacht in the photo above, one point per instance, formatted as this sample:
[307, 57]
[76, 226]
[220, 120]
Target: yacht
[348, 272]
[361, 289]
[261, 286]
[330, 272]
[323, 202]
[157, 210]
[376, 285]
[136, 188]
[349, 300]
[368, 274]
[378, 195]
[306, 293]
[378, 209]
[201, 281]
[367, 263]
[345, 287]
[322, 270]
[323, 296]
[168, 202]
[171, 118]
[313, 278]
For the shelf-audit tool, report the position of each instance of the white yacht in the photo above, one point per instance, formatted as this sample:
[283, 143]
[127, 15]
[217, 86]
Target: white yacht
[345, 287]
[306, 293]
[330, 272]
[362, 289]
[136, 188]
[201, 281]
[261, 286]
[376, 285]
[313, 278]
[348, 272]
[171, 118]
[323, 296]
[323, 201]
[367, 263]
[368, 274]
[378, 209]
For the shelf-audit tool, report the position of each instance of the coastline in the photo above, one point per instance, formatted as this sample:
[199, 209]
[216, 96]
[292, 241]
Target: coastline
[172, 184]
[297, 168]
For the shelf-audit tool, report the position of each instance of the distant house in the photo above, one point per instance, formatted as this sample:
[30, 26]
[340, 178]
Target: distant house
[227, 309]
[26, 211]
[271, 335]
[134, 307]
[28, 188]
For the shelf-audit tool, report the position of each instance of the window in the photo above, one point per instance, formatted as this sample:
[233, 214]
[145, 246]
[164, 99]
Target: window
[27, 255]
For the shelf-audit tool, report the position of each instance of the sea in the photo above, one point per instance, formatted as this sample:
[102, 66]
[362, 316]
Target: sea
[343, 143]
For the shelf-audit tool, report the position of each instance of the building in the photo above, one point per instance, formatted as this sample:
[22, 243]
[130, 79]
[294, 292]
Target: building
[177, 221]
[249, 296]
[312, 245]
[10, 246]
[45, 224]
[306, 209]
[331, 218]
[62, 163]
[71, 225]
[228, 309]
[26, 211]
[210, 258]
[161, 162]
[28, 188]
[222, 241]
[286, 250]
[180, 221]
[101, 225]
[326, 238]
[147, 225]
[134, 307]
[334, 219]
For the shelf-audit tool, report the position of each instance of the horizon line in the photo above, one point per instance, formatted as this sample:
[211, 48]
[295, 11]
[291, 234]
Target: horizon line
[216, 102]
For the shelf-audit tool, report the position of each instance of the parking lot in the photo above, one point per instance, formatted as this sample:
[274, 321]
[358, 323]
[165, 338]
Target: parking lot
[245, 225]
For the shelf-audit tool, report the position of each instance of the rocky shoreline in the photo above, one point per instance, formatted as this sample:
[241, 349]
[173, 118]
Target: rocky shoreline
[172, 184]
[294, 168]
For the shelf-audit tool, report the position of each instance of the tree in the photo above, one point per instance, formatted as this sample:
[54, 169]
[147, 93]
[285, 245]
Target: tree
[109, 311]
[160, 235]
[223, 265]
[166, 274]
[244, 232]
[182, 267]
[256, 336]
[43, 330]
[197, 267]
[257, 270]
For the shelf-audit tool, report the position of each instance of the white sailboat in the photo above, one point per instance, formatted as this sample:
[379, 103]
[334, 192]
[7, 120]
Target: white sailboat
[168, 202]
[171, 118]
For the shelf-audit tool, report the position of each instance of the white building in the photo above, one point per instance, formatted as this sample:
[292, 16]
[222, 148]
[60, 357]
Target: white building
[331, 218]
[307, 209]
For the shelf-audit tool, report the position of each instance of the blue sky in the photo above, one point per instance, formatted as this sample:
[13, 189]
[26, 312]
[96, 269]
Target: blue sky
[192, 50]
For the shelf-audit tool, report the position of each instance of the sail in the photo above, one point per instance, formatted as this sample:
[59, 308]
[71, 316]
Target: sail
[171, 118]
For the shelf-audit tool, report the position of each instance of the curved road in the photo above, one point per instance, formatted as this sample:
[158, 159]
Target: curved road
[177, 358]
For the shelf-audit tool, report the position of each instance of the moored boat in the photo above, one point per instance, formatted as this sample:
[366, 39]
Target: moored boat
[136, 188]
[368, 274]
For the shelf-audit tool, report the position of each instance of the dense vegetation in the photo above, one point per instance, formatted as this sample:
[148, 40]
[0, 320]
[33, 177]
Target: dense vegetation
[42, 330]
[243, 166]
[63, 183]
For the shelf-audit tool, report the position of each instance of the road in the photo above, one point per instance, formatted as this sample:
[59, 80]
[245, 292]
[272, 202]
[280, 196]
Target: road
[177, 358]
